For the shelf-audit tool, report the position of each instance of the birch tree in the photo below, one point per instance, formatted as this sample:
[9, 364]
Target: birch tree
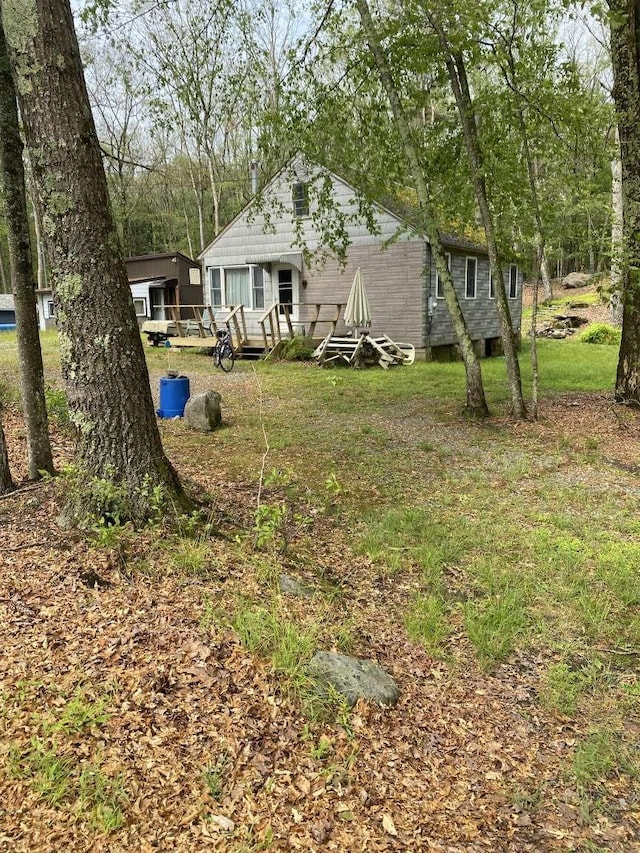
[476, 402]
[455, 64]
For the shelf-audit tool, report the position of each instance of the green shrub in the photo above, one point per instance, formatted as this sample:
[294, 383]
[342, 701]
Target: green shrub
[297, 349]
[58, 408]
[600, 333]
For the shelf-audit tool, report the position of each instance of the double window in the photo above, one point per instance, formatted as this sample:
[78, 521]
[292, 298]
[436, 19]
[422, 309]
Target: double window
[236, 286]
[439, 288]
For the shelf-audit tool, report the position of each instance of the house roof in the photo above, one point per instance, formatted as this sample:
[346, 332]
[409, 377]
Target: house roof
[160, 256]
[6, 302]
[452, 241]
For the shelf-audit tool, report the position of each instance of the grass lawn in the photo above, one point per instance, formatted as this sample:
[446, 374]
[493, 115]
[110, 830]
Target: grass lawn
[491, 567]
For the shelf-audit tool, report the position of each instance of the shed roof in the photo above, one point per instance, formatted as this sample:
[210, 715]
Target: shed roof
[161, 256]
[6, 302]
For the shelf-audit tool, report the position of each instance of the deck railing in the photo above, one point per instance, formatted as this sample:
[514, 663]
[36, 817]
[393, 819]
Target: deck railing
[278, 316]
[203, 322]
[275, 323]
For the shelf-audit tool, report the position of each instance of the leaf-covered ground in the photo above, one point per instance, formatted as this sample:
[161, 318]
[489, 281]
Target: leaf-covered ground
[136, 716]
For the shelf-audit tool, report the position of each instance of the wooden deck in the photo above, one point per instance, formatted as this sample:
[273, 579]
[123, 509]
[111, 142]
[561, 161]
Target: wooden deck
[276, 325]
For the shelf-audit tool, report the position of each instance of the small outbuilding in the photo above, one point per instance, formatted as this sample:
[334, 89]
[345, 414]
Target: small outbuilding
[156, 281]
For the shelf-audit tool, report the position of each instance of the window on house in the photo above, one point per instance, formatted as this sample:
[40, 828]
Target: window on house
[51, 311]
[513, 281]
[236, 286]
[471, 278]
[215, 285]
[140, 304]
[439, 289]
[258, 287]
[300, 196]
[492, 285]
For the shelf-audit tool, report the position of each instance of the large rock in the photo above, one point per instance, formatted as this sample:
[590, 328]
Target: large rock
[576, 279]
[203, 412]
[354, 679]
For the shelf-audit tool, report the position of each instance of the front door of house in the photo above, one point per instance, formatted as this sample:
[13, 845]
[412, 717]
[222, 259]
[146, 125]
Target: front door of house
[157, 303]
[286, 289]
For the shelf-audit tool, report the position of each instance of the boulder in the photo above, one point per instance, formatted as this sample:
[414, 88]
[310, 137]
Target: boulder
[576, 279]
[203, 412]
[569, 321]
[352, 678]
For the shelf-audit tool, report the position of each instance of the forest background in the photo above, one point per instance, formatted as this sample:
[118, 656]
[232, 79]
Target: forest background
[186, 95]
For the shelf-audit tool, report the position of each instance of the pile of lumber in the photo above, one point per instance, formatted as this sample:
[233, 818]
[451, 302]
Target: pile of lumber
[364, 351]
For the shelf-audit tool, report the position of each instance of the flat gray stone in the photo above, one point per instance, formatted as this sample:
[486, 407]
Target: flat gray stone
[352, 678]
[203, 411]
[289, 585]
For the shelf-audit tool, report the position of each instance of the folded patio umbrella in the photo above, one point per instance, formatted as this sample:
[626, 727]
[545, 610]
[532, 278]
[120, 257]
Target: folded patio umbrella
[357, 312]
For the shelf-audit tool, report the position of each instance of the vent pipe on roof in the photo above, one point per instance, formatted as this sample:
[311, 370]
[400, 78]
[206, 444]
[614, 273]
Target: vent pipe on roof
[255, 176]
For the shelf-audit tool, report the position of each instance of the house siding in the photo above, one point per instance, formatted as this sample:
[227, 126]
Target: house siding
[395, 285]
[272, 230]
[481, 314]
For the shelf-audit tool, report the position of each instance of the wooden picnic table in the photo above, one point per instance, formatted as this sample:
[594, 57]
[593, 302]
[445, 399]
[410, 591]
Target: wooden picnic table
[363, 351]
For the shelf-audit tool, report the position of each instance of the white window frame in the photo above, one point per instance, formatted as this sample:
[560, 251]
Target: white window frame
[223, 285]
[439, 291]
[51, 309]
[142, 299]
[210, 271]
[513, 295]
[300, 205]
[466, 277]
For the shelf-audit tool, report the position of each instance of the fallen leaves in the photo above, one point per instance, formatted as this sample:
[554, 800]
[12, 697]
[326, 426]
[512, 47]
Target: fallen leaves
[465, 762]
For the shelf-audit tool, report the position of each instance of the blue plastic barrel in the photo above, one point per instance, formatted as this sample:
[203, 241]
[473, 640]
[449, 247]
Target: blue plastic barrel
[174, 393]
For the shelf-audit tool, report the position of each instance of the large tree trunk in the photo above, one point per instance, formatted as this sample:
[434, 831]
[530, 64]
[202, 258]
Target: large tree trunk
[459, 85]
[625, 36]
[17, 219]
[101, 350]
[476, 401]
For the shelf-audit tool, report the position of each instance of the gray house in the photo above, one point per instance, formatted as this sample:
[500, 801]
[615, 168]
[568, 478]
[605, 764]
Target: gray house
[271, 260]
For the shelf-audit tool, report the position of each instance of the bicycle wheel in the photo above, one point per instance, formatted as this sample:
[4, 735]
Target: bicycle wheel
[216, 355]
[226, 358]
